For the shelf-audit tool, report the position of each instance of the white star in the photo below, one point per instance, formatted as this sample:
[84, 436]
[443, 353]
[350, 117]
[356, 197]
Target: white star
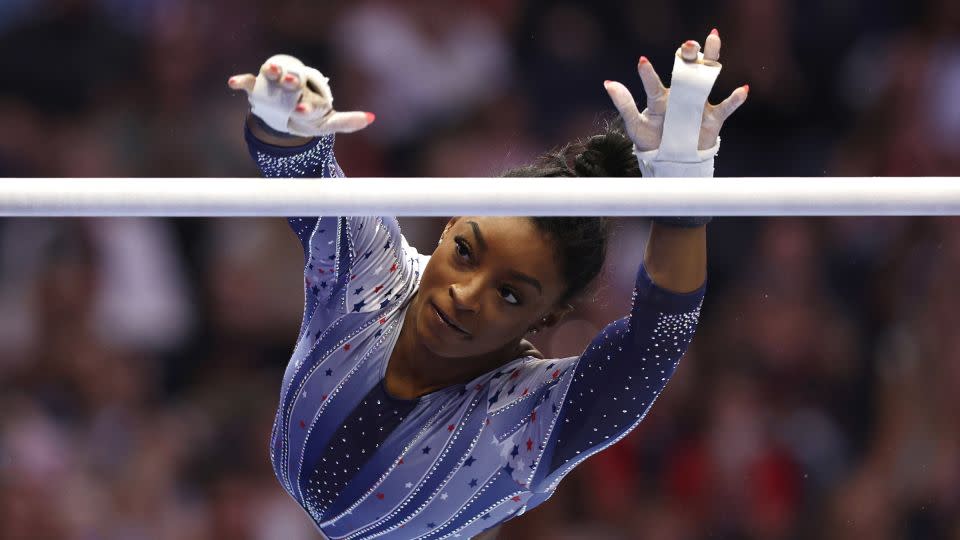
[408, 485]
[444, 497]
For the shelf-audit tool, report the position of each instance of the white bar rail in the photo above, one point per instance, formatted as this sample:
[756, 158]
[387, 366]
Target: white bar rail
[793, 196]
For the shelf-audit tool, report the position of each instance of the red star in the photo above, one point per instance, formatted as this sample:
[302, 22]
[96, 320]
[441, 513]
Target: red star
[450, 427]
[394, 267]
[488, 421]
[377, 289]
[383, 320]
[533, 416]
[525, 392]
[529, 445]
[515, 375]
[303, 425]
[479, 386]
[400, 462]
[320, 270]
[380, 496]
[346, 347]
[556, 374]
[323, 397]
[515, 499]
[353, 277]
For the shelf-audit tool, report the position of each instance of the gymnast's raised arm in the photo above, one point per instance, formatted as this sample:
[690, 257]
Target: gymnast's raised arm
[676, 251]
[616, 380]
[291, 126]
[290, 133]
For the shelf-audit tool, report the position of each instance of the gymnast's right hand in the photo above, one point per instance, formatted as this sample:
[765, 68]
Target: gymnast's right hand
[292, 98]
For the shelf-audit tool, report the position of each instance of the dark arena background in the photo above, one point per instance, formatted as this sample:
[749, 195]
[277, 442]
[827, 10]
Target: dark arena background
[140, 359]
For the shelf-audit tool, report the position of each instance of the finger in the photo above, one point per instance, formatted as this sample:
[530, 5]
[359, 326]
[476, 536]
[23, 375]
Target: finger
[271, 71]
[290, 81]
[689, 50]
[348, 122]
[652, 85]
[243, 82]
[625, 104]
[711, 50]
[312, 106]
[727, 107]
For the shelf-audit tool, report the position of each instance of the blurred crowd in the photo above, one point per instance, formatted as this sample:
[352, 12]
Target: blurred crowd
[140, 359]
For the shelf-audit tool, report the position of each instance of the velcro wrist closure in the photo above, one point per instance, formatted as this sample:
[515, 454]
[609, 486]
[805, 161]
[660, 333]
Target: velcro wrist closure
[652, 164]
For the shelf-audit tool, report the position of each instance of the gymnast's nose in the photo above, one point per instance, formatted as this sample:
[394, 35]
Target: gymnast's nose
[466, 296]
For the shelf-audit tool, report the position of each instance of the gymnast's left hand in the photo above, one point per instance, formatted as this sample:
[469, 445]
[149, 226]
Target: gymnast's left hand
[646, 128]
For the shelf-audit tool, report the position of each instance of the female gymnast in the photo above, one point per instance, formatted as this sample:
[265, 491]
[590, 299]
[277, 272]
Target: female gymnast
[412, 406]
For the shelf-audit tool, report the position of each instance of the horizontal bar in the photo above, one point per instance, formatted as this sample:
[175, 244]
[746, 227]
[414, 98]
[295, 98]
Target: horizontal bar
[795, 196]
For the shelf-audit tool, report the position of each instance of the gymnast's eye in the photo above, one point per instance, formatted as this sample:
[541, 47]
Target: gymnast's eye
[515, 296]
[461, 243]
[463, 249]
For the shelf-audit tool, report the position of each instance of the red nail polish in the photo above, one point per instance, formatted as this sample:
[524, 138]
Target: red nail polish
[747, 88]
[714, 32]
[232, 80]
[606, 82]
[643, 60]
[690, 43]
[301, 107]
[273, 68]
[289, 78]
[371, 117]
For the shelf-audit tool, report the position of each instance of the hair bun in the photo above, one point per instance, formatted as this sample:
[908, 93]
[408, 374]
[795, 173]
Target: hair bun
[607, 155]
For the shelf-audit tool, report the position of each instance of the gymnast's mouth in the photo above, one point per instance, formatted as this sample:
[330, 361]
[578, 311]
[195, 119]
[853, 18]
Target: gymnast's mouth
[443, 316]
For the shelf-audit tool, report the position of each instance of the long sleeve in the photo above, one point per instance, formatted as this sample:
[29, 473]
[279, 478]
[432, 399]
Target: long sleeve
[351, 263]
[615, 381]
[313, 160]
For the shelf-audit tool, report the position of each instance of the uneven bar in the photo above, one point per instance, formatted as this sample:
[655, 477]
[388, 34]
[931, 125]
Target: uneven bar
[754, 196]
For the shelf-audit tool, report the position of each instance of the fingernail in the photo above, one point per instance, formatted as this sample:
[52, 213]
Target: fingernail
[643, 60]
[301, 108]
[232, 80]
[371, 117]
[289, 78]
[606, 82]
[690, 43]
[747, 88]
[714, 32]
[273, 67]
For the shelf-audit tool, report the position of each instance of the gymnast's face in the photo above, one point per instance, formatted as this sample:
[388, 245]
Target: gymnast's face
[495, 277]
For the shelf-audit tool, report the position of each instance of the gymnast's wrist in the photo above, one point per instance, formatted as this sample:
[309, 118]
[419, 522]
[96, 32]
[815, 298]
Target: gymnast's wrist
[266, 134]
[651, 165]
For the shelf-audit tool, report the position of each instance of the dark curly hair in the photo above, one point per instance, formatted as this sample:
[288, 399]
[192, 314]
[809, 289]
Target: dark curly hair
[581, 242]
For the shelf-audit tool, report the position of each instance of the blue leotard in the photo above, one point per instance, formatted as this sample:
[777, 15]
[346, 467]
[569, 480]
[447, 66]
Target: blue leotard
[462, 459]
